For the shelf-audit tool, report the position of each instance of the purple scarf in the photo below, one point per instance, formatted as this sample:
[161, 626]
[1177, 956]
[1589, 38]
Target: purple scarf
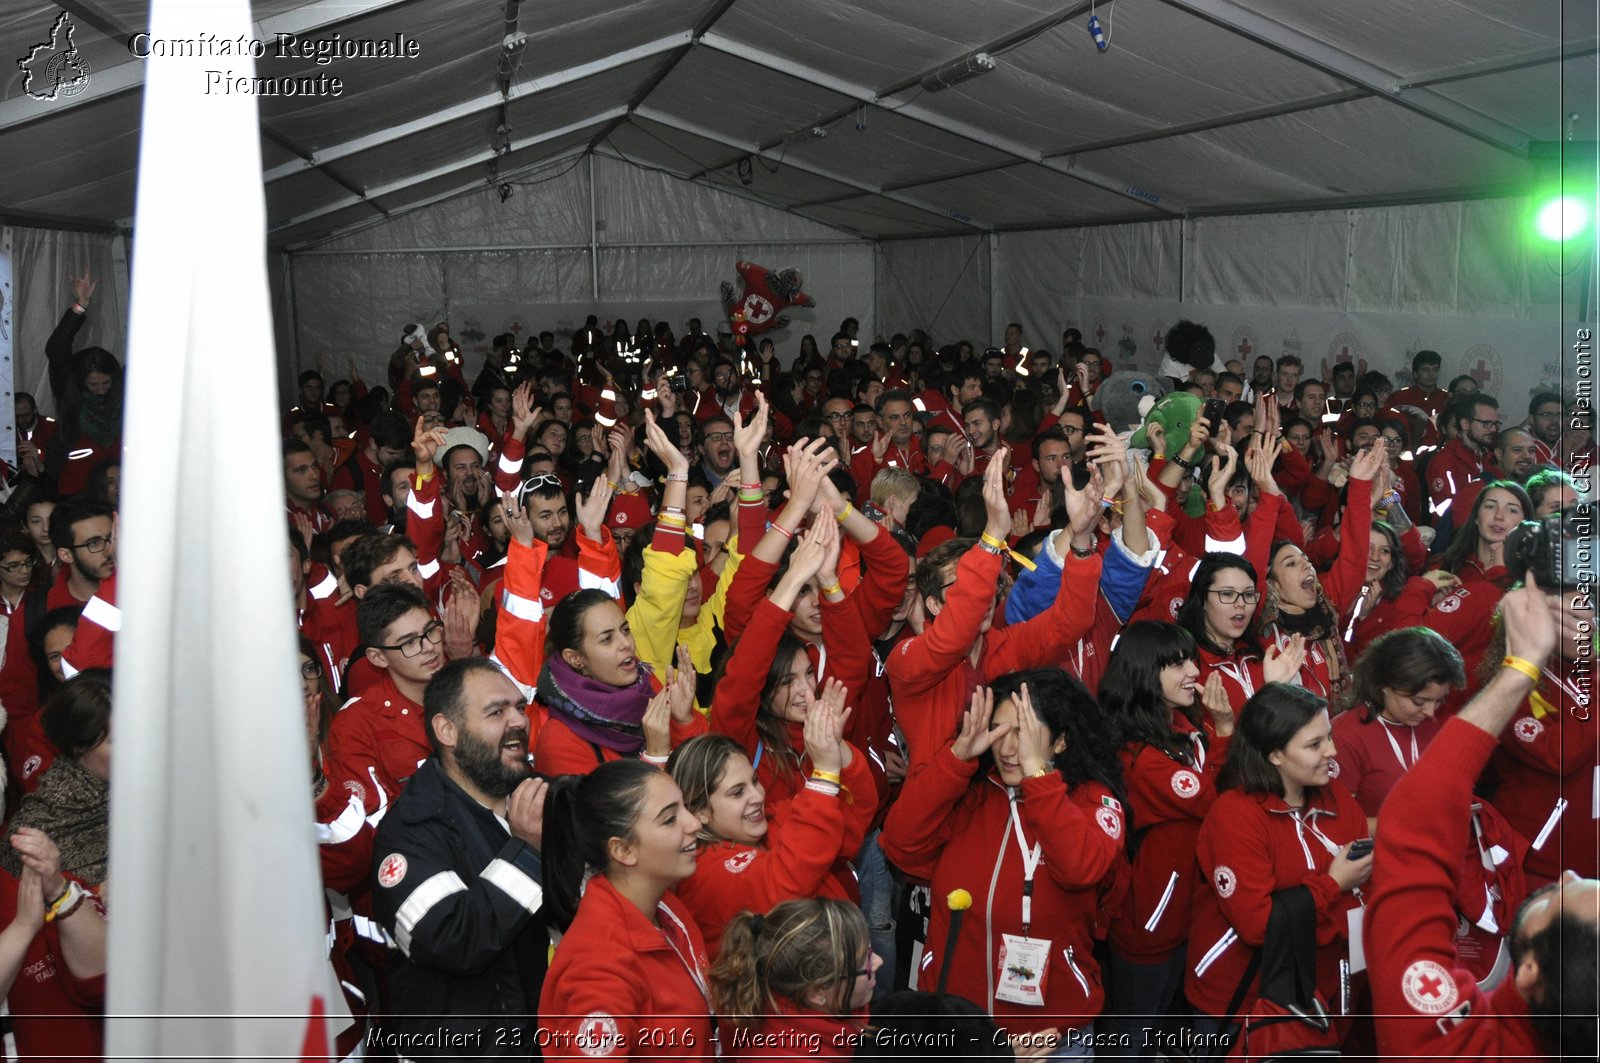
[597, 712]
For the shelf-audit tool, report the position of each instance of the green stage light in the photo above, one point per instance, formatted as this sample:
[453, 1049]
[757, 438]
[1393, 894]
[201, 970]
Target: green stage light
[1562, 219]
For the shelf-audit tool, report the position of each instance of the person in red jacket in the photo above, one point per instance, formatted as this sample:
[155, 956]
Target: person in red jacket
[628, 979]
[794, 983]
[932, 674]
[1549, 758]
[1424, 393]
[1393, 598]
[755, 853]
[1276, 824]
[1024, 812]
[1477, 559]
[1458, 471]
[1428, 1005]
[1217, 613]
[1171, 755]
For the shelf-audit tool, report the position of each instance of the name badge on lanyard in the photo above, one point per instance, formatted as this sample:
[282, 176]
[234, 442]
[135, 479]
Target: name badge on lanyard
[1024, 961]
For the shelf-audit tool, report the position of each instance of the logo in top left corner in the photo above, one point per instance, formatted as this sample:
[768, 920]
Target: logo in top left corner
[55, 68]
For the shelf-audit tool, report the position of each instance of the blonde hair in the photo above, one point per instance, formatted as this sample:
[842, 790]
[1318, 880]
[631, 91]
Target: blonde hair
[799, 947]
[895, 484]
[697, 767]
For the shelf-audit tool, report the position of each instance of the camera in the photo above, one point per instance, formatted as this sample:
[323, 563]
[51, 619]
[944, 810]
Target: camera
[679, 382]
[1558, 550]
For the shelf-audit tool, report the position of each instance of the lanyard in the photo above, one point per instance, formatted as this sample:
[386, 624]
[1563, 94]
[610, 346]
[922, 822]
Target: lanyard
[1199, 741]
[691, 967]
[1389, 734]
[1239, 673]
[1030, 864]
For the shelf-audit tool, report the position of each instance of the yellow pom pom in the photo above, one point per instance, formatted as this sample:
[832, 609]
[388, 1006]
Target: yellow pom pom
[959, 900]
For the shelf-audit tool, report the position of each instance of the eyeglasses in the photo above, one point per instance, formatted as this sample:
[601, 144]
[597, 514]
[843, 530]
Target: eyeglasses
[1228, 595]
[1070, 430]
[310, 669]
[97, 545]
[1491, 424]
[18, 566]
[839, 415]
[412, 646]
[719, 437]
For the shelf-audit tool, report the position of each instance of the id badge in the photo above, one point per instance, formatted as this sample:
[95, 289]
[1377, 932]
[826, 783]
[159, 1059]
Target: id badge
[1024, 963]
[1358, 950]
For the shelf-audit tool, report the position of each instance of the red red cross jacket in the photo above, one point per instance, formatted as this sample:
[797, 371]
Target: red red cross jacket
[801, 858]
[621, 986]
[1169, 800]
[1427, 1005]
[1456, 475]
[962, 826]
[1250, 846]
[376, 743]
[1549, 754]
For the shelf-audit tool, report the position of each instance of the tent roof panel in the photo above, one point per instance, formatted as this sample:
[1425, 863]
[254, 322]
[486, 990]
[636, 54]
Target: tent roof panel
[749, 103]
[1027, 193]
[564, 33]
[880, 217]
[1528, 99]
[80, 164]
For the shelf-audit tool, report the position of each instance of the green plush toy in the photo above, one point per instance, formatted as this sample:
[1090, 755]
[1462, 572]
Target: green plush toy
[1176, 414]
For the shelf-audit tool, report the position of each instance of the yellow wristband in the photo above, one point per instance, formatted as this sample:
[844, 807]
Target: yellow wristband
[827, 776]
[844, 514]
[835, 589]
[989, 540]
[1526, 667]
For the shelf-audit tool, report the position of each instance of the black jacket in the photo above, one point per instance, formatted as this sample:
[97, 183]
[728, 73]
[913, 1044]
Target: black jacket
[461, 899]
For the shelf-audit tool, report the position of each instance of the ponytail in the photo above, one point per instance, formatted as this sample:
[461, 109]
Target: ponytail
[735, 979]
[798, 948]
[582, 813]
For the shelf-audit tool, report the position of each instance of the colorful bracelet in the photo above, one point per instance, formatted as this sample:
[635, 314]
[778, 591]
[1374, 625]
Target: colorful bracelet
[835, 589]
[1526, 667]
[844, 514]
[827, 776]
[780, 529]
[990, 541]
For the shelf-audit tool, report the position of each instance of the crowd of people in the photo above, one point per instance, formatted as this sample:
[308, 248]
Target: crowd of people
[909, 700]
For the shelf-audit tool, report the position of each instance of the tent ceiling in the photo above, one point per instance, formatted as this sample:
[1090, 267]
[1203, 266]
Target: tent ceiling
[1198, 106]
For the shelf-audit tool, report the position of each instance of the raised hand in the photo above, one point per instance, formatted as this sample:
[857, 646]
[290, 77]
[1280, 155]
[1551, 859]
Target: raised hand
[964, 459]
[83, 287]
[657, 723]
[1199, 434]
[1530, 627]
[525, 811]
[1110, 453]
[523, 413]
[517, 522]
[1222, 471]
[425, 443]
[591, 509]
[997, 509]
[1083, 507]
[1034, 743]
[39, 854]
[1282, 665]
[460, 617]
[1214, 696]
[1258, 461]
[1366, 464]
[824, 730]
[667, 452]
[1155, 433]
[807, 463]
[827, 532]
[747, 438]
[976, 736]
[681, 687]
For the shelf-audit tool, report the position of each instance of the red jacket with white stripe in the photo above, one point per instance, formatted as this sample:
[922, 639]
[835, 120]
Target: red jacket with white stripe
[1251, 846]
[930, 676]
[961, 826]
[801, 858]
[1549, 754]
[1428, 1005]
[376, 743]
[1168, 800]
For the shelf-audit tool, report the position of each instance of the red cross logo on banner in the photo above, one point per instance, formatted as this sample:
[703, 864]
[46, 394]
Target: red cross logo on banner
[756, 309]
[1244, 347]
[1480, 372]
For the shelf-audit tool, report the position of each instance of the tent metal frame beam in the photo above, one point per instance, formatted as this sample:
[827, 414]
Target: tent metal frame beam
[922, 115]
[124, 77]
[1503, 65]
[682, 126]
[1340, 64]
[487, 155]
[479, 105]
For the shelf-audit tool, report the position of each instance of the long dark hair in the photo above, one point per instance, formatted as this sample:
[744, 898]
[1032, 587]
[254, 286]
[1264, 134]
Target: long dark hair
[1404, 661]
[582, 813]
[1192, 615]
[1464, 546]
[1130, 690]
[1065, 706]
[1267, 723]
[771, 728]
[1391, 585]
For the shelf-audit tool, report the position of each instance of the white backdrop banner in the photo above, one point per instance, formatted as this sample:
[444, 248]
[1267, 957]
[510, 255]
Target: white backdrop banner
[1511, 359]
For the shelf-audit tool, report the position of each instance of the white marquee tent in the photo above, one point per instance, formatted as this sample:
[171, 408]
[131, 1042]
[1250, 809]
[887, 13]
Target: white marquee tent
[1349, 179]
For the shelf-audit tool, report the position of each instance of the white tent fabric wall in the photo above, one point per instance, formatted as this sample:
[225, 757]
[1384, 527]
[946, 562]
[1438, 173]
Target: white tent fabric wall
[661, 239]
[939, 285]
[42, 260]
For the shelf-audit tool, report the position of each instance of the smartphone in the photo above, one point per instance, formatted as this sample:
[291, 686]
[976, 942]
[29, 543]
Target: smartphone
[1361, 848]
[1212, 414]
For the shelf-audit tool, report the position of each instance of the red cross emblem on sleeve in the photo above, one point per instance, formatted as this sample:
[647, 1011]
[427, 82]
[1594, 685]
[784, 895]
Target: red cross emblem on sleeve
[1185, 783]
[1429, 988]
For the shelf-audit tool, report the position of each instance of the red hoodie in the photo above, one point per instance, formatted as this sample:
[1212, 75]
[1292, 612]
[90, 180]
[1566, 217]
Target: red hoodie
[963, 827]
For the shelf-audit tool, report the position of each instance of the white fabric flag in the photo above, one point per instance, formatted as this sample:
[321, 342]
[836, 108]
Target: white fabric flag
[216, 923]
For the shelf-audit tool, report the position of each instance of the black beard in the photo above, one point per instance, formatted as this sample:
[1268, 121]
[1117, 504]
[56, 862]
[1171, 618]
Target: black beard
[85, 571]
[481, 762]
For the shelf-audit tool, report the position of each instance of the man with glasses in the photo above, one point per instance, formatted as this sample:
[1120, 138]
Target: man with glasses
[1544, 424]
[17, 562]
[901, 449]
[716, 447]
[378, 740]
[1457, 472]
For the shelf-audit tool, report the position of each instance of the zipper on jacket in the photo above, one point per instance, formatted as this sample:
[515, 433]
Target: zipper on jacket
[1161, 906]
[1214, 953]
[1073, 966]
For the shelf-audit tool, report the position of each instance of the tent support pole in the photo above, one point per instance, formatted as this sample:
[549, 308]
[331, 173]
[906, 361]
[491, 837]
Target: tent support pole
[594, 239]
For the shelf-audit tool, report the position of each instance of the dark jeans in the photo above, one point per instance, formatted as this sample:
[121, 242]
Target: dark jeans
[1138, 997]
